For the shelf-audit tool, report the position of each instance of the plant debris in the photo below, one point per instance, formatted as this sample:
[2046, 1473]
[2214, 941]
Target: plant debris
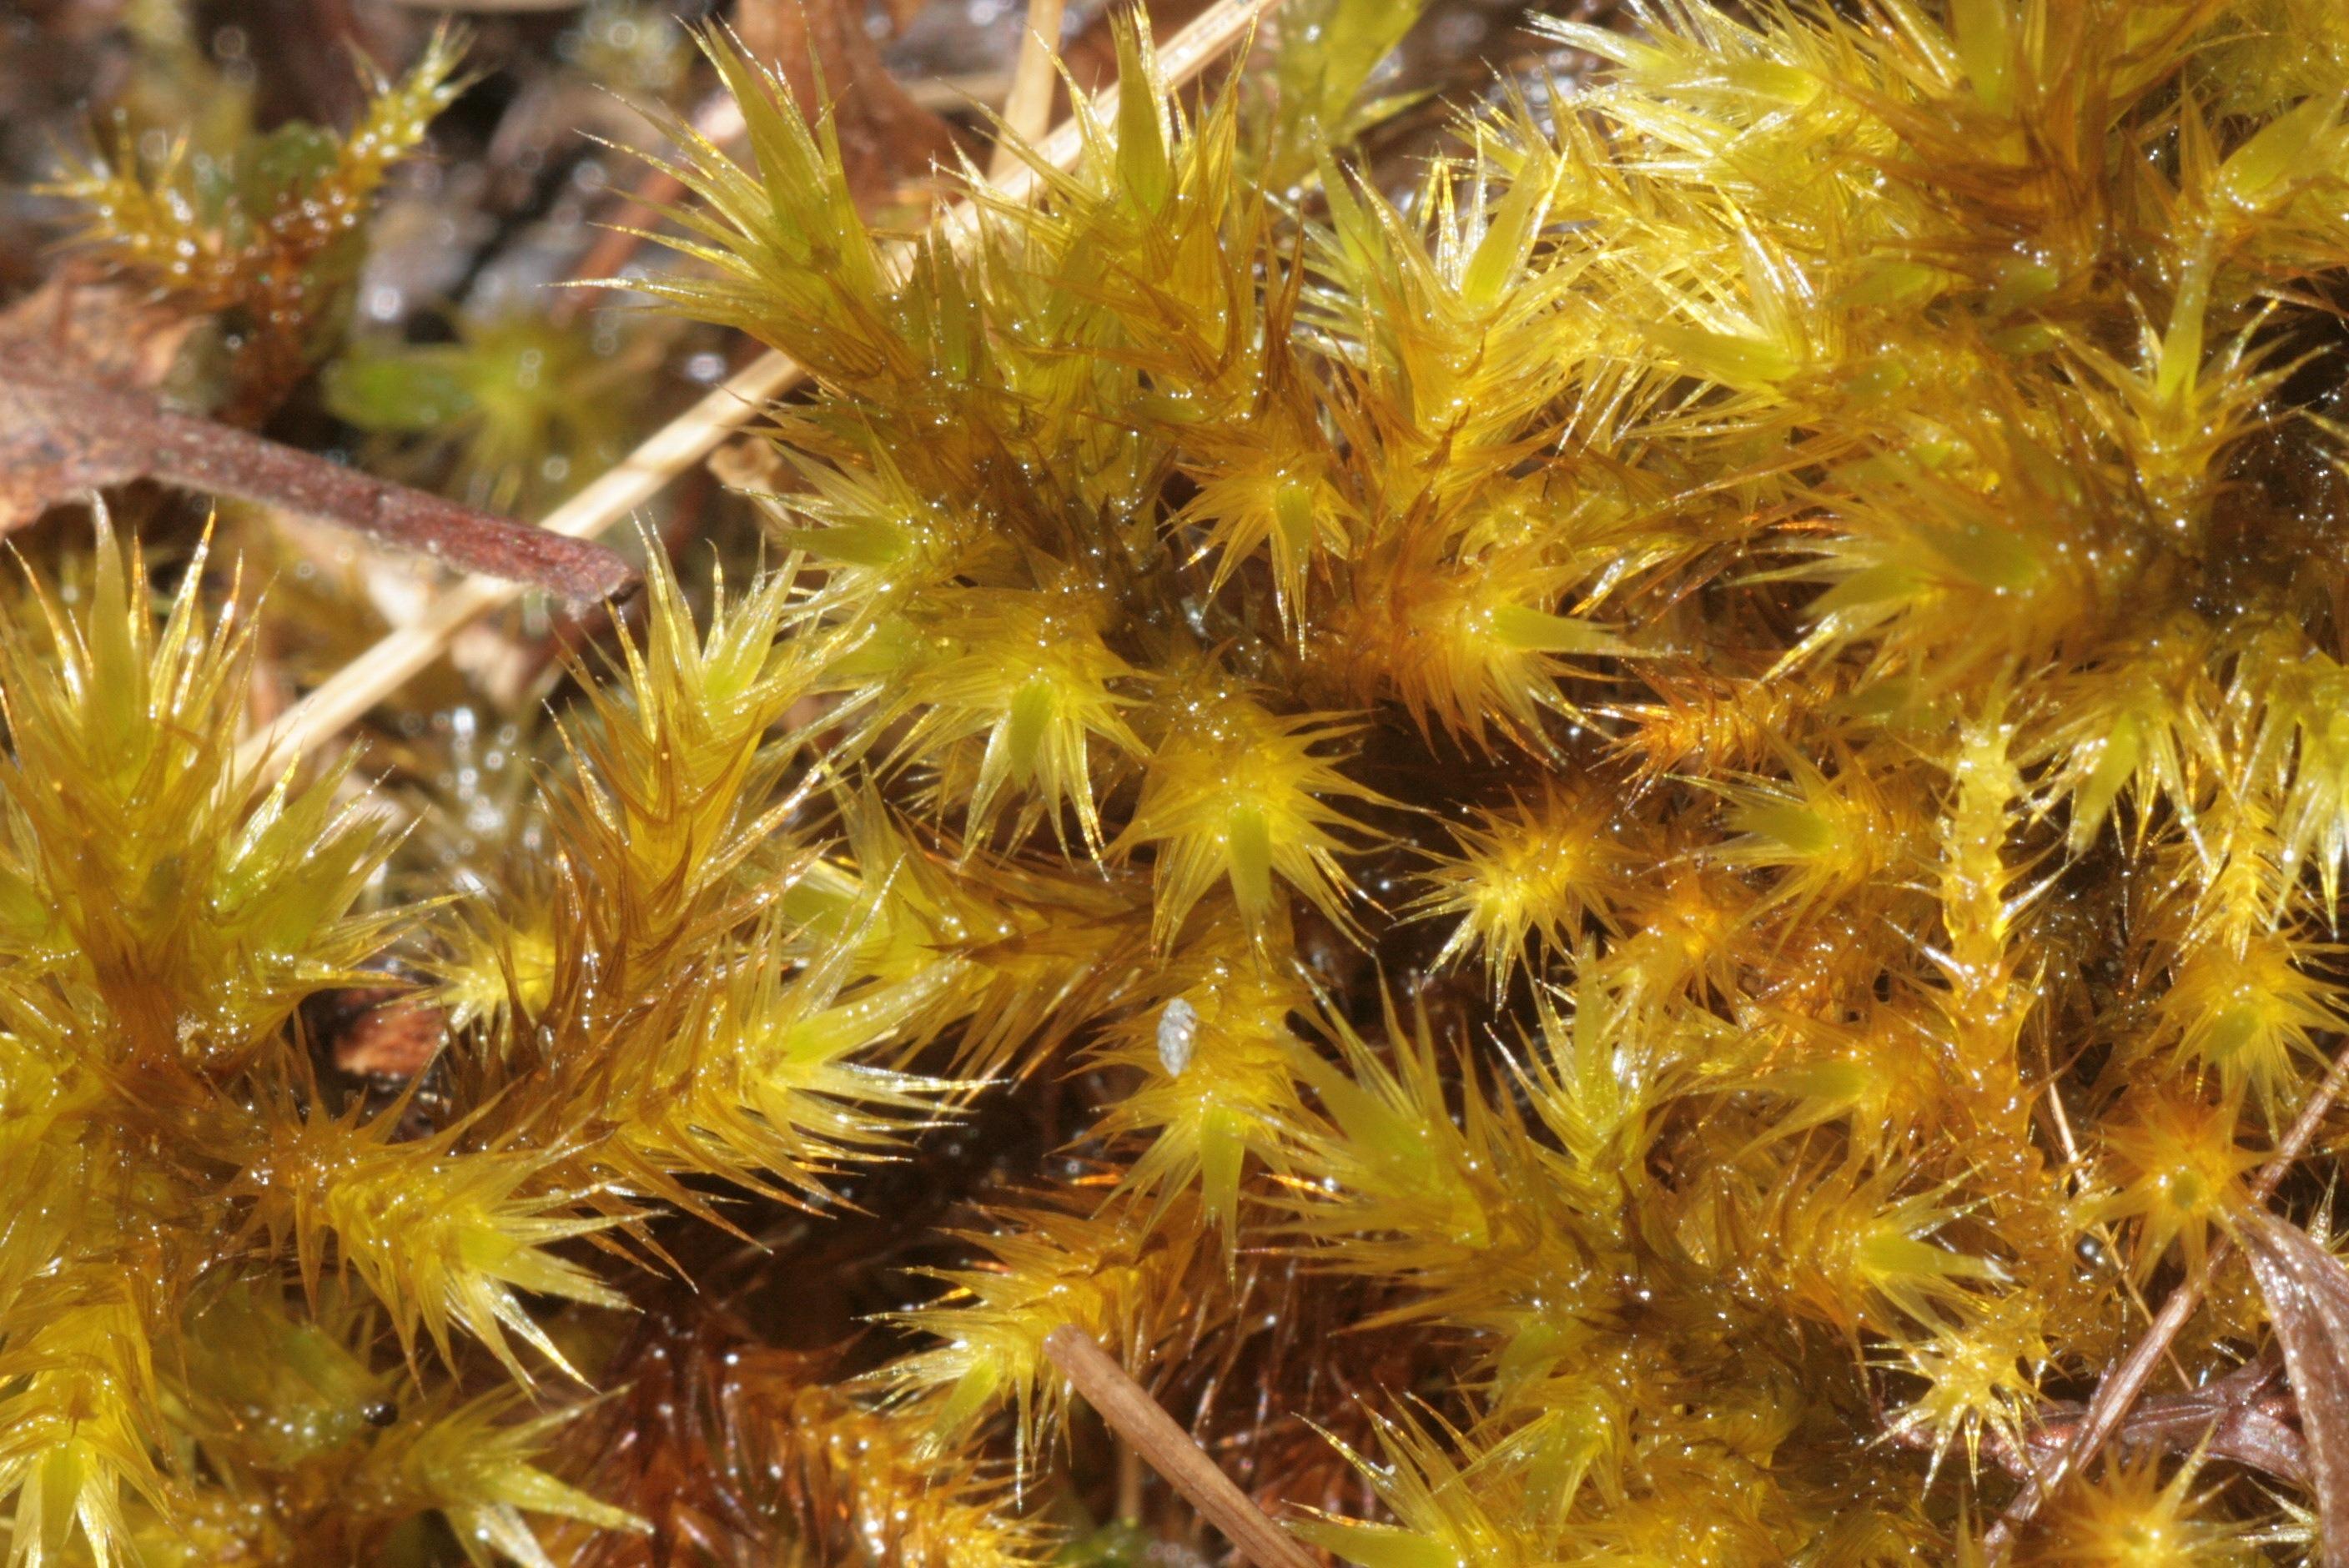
[62, 434]
[2306, 1288]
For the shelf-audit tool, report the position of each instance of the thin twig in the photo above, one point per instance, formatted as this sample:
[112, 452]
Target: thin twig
[83, 435]
[1028, 107]
[2109, 1407]
[375, 675]
[1127, 1407]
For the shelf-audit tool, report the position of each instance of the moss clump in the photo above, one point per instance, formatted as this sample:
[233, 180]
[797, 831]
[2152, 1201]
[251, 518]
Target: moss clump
[1667, 813]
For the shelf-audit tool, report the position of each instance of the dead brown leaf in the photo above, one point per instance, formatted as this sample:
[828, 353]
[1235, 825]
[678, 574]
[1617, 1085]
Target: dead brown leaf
[76, 414]
[2307, 1293]
[389, 1034]
[2247, 1417]
[115, 335]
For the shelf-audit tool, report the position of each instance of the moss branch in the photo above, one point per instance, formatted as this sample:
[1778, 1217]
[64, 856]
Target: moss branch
[402, 653]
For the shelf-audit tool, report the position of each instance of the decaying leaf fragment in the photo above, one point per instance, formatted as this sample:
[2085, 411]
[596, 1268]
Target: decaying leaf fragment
[2307, 1293]
[64, 430]
[114, 333]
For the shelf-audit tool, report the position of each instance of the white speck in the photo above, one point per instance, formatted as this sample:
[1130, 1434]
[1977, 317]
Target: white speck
[1178, 1035]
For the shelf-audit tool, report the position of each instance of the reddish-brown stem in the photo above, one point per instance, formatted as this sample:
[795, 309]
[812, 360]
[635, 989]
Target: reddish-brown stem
[92, 436]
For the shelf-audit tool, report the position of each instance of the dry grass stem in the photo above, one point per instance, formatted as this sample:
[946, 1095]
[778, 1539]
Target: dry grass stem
[1127, 1407]
[1028, 107]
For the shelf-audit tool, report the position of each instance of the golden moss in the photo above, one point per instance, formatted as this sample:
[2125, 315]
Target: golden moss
[1701, 758]
[272, 236]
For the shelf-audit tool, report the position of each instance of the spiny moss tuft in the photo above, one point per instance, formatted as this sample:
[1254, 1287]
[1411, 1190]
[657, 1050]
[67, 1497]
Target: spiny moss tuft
[1694, 765]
